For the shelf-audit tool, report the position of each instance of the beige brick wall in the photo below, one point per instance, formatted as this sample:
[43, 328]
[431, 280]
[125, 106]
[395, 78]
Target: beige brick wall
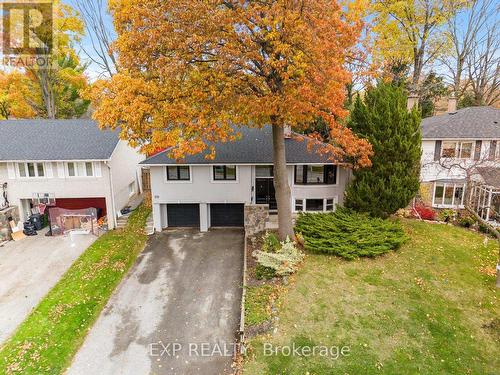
[425, 192]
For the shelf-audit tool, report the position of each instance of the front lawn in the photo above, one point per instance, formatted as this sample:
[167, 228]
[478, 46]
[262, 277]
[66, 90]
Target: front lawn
[429, 308]
[48, 339]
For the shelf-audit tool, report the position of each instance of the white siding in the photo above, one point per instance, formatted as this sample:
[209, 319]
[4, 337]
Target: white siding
[125, 171]
[457, 169]
[85, 187]
[202, 189]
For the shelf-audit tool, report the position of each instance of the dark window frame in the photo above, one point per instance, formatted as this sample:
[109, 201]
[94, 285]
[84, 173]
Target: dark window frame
[326, 169]
[225, 177]
[178, 170]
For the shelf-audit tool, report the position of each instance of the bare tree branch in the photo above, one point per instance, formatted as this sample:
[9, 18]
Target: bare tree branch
[100, 35]
[484, 66]
[465, 29]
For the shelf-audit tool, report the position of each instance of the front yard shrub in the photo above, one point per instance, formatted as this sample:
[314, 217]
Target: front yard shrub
[264, 273]
[466, 221]
[348, 234]
[426, 213]
[447, 215]
[271, 243]
[483, 228]
[284, 261]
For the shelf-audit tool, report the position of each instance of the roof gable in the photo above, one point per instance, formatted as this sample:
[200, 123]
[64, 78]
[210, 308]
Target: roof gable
[55, 140]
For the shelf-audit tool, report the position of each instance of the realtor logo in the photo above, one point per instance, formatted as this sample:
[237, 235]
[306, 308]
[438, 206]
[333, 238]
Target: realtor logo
[27, 28]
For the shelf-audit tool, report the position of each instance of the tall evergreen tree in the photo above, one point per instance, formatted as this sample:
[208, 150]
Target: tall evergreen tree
[395, 134]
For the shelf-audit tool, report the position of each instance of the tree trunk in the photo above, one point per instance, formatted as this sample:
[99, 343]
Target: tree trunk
[281, 185]
[418, 62]
[47, 93]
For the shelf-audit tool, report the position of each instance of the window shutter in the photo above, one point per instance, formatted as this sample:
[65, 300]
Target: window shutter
[477, 154]
[49, 173]
[11, 169]
[493, 149]
[97, 169]
[437, 150]
[60, 170]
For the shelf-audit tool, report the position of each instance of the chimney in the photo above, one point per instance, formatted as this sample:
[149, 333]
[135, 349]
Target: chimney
[452, 104]
[288, 131]
[412, 101]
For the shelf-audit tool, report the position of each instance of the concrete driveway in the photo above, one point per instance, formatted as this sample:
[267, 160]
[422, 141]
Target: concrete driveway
[29, 269]
[177, 311]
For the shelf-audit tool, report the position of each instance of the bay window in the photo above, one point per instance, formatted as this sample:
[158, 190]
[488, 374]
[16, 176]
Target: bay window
[448, 194]
[315, 204]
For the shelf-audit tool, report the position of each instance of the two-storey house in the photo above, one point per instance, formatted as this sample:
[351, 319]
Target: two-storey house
[459, 147]
[69, 164]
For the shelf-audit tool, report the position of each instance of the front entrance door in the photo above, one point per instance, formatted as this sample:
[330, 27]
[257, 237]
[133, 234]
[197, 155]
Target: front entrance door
[265, 193]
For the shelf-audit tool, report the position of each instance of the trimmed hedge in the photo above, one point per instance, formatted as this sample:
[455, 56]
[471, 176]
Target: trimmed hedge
[348, 234]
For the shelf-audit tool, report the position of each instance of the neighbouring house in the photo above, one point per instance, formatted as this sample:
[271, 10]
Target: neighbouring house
[461, 148]
[211, 193]
[69, 164]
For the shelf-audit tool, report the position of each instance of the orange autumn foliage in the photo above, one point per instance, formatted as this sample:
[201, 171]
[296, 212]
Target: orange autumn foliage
[191, 69]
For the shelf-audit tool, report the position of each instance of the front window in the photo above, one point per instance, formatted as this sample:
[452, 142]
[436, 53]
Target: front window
[330, 205]
[466, 150]
[449, 150]
[80, 169]
[178, 173]
[225, 173]
[299, 205]
[449, 194]
[31, 170]
[462, 150]
[315, 174]
[496, 146]
[314, 204]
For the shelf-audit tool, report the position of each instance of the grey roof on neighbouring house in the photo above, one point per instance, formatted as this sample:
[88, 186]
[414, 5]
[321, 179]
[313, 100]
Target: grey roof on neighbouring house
[466, 123]
[254, 147]
[33, 140]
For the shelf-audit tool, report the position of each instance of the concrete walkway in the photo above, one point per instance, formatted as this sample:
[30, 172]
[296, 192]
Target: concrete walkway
[177, 312]
[29, 269]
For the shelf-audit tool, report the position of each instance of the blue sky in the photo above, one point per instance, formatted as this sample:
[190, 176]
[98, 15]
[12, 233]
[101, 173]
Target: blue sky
[93, 70]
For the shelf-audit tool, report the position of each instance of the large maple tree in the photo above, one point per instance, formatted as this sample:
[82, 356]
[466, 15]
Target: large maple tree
[190, 70]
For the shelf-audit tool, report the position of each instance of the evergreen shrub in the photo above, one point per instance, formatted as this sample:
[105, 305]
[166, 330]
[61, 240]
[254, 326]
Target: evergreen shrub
[349, 234]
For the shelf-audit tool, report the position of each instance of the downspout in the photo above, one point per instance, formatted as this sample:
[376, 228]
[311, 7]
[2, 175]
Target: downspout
[112, 193]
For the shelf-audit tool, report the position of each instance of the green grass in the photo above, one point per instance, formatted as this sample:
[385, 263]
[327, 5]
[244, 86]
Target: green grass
[47, 340]
[429, 308]
[257, 303]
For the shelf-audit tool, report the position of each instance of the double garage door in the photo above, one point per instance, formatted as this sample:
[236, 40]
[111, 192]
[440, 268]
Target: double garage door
[221, 215]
